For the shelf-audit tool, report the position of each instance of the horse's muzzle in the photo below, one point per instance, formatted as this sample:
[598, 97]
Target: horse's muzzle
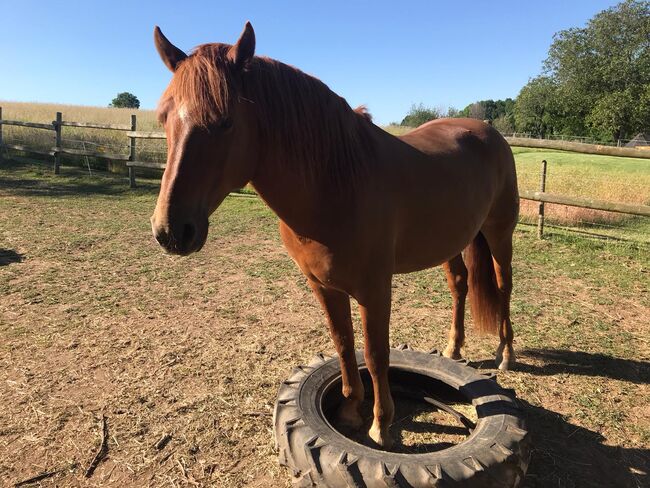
[181, 238]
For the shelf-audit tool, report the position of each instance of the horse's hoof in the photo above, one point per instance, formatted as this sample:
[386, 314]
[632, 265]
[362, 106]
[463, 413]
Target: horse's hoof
[505, 357]
[451, 353]
[507, 365]
[379, 437]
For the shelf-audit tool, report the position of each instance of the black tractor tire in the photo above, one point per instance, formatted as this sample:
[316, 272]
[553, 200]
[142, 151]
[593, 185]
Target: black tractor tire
[496, 453]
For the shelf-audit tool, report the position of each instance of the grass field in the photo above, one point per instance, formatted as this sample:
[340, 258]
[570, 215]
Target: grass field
[603, 177]
[109, 141]
[95, 320]
[607, 178]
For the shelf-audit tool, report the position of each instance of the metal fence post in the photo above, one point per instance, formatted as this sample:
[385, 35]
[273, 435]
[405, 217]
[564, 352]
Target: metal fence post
[132, 151]
[57, 147]
[540, 213]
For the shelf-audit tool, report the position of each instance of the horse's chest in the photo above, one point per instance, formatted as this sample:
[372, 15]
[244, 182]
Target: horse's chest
[317, 261]
[313, 259]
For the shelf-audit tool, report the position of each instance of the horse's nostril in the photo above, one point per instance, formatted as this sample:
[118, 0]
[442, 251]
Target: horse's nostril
[161, 237]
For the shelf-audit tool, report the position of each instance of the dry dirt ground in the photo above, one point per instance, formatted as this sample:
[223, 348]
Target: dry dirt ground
[96, 322]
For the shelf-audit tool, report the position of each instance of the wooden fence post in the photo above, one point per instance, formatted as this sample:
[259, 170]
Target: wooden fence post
[540, 214]
[0, 134]
[57, 147]
[132, 152]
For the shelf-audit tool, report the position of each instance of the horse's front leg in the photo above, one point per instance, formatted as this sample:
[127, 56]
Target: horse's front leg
[336, 305]
[375, 315]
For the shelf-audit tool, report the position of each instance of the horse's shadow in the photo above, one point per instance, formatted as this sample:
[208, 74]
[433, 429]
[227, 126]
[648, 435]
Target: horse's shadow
[9, 256]
[563, 454]
[567, 455]
[561, 361]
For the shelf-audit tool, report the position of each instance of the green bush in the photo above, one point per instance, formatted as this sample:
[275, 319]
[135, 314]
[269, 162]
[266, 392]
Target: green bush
[419, 114]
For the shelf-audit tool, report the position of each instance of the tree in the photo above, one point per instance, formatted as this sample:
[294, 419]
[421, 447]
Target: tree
[504, 124]
[613, 115]
[489, 109]
[476, 111]
[602, 72]
[534, 111]
[125, 100]
[419, 114]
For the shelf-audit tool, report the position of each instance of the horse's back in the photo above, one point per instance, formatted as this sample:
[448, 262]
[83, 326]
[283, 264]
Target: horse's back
[474, 148]
[453, 137]
[467, 180]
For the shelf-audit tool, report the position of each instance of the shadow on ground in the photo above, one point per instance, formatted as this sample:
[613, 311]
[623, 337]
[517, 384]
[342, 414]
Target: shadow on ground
[562, 361]
[586, 364]
[73, 181]
[9, 256]
[565, 455]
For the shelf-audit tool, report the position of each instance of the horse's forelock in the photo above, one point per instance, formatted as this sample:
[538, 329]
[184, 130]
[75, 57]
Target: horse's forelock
[315, 129]
[202, 84]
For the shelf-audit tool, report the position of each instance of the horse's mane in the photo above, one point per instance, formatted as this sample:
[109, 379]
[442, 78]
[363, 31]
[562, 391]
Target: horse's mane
[309, 126]
[362, 110]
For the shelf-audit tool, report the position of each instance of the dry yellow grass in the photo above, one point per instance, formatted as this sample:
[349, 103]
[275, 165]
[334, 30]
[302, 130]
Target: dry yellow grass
[109, 141]
[46, 112]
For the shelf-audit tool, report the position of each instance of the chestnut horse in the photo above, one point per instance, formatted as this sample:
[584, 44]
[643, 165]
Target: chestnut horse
[356, 204]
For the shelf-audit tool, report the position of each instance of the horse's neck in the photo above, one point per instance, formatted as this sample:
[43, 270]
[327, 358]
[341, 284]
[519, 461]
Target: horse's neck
[305, 206]
[295, 201]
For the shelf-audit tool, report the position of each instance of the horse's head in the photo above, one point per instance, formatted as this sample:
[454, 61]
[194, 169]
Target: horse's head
[209, 140]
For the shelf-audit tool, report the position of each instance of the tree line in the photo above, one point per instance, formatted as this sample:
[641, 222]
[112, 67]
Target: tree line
[595, 82]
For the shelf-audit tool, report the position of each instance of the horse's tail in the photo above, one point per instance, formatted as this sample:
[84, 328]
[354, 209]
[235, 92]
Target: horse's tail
[484, 297]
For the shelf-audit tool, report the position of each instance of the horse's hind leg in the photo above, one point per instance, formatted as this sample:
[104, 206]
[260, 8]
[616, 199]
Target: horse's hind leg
[456, 273]
[336, 305]
[501, 249]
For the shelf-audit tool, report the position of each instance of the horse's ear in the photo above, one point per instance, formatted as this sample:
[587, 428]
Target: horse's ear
[169, 53]
[244, 49]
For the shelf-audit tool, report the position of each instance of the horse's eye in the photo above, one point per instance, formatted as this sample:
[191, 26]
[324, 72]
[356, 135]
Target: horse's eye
[225, 123]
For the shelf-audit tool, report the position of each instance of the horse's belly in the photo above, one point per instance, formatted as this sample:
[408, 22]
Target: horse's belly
[426, 246]
[416, 257]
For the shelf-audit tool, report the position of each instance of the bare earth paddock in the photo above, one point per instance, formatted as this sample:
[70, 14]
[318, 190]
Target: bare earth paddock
[96, 321]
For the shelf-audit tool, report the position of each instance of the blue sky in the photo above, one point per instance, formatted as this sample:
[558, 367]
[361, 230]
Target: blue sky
[387, 55]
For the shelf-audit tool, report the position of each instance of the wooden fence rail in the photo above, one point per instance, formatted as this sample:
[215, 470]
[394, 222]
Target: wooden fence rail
[33, 125]
[146, 135]
[625, 208]
[580, 147]
[92, 125]
[131, 132]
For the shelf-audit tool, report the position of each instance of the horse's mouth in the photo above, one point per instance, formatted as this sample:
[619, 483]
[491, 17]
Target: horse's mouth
[183, 239]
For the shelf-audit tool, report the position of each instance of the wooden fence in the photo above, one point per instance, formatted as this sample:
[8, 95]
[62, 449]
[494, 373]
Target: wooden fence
[542, 197]
[131, 162]
[57, 150]
[580, 147]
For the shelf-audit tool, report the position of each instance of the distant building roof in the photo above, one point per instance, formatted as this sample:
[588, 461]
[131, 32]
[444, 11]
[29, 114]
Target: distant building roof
[641, 139]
